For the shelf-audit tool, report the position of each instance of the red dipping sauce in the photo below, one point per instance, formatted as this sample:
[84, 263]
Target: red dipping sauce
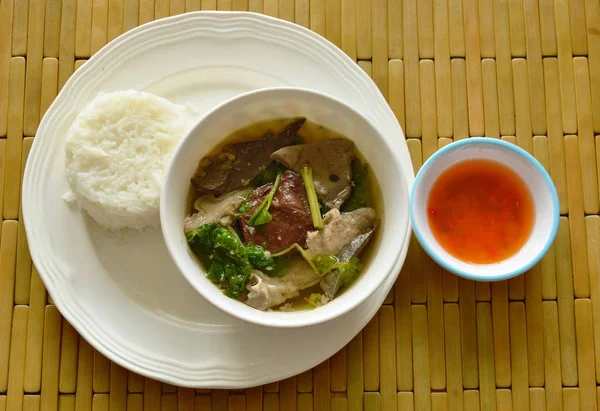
[480, 211]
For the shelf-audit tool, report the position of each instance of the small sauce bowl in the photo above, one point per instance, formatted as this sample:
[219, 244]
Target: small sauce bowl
[535, 177]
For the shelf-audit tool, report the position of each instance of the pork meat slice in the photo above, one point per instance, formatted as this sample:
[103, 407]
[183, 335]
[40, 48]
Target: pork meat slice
[215, 210]
[339, 230]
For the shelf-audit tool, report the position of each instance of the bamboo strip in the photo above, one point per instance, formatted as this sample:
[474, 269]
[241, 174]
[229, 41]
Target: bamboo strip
[443, 72]
[8, 247]
[355, 373]
[425, 23]
[12, 175]
[99, 25]
[202, 402]
[131, 11]
[435, 316]
[473, 66]
[535, 326]
[578, 30]
[460, 112]
[23, 262]
[6, 23]
[212, 5]
[135, 402]
[439, 401]
[33, 71]
[534, 67]
[66, 403]
[85, 365]
[287, 393]
[486, 28]
[428, 111]
[305, 381]
[118, 387]
[585, 354]
[49, 87]
[565, 66]
[270, 7]
[349, 28]
[339, 404]
[471, 400]
[52, 31]
[418, 281]
[506, 109]
[487, 373]
[364, 41]
[396, 88]
[517, 28]
[152, 395]
[404, 357]
[412, 82]
[452, 335]
[305, 401]
[100, 402]
[555, 133]
[585, 129]
[490, 98]
[338, 371]
[147, 11]
[581, 284]
[537, 399]
[371, 354]
[468, 329]
[68, 359]
[593, 240]
[115, 18]
[35, 334]
[547, 27]
[518, 354]
[333, 21]
[14, 399]
[83, 29]
[566, 316]
[19, 27]
[592, 14]
[456, 35]
[254, 396]
[302, 13]
[522, 105]
[50, 359]
[170, 389]
[504, 400]
[135, 382]
[192, 5]
[321, 386]
[501, 333]
[387, 358]
[2, 170]
[380, 46]
[101, 373]
[482, 291]
[406, 401]
[161, 9]
[66, 52]
[420, 346]
[317, 17]
[30, 403]
[177, 7]
[571, 399]
[395, 24]
[372, 401]
[286, 8]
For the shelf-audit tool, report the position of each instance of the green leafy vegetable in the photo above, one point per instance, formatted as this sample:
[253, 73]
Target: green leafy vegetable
[282, 264]
[261, 215]
[313, 202]
[229, 262]
[359, 197]
[245, 207]
[348, 270]
[302, 252]
[313, 301]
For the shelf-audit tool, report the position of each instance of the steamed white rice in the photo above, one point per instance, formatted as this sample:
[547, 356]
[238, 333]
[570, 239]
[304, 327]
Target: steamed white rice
[117, 151]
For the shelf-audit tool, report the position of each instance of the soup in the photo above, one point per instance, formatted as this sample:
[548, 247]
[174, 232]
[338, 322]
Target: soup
[282, 215]
[480, 211]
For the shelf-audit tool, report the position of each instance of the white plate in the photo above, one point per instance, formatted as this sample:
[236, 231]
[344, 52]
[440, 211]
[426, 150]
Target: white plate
[124, 295]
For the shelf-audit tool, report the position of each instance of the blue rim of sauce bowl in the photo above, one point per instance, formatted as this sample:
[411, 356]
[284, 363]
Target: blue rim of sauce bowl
[515, 149]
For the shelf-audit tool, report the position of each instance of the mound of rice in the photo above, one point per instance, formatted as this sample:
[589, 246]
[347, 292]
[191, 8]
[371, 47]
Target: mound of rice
[117, 151]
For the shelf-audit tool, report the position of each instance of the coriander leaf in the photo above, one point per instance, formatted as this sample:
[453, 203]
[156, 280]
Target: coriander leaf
[349, 270]
[324, 263]
[359, 197]
[261, 215]
[313, 301]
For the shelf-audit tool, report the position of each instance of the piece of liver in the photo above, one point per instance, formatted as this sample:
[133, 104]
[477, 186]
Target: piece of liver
[290, 212]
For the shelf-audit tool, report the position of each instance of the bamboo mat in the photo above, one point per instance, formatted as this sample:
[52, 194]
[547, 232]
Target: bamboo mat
[523, 70]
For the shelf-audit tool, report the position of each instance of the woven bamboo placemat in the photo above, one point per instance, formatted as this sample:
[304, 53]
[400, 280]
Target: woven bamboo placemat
[523, 70]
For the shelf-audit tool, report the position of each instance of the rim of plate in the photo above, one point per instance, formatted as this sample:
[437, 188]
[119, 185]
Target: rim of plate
[119, 49]
[515, 149]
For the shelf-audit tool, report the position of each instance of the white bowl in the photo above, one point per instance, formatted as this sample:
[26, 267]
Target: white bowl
[275, 103]
[543, 192]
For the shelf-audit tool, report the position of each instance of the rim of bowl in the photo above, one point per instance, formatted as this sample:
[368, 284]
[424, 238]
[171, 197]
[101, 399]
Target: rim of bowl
[296, 319]
[516, 150]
